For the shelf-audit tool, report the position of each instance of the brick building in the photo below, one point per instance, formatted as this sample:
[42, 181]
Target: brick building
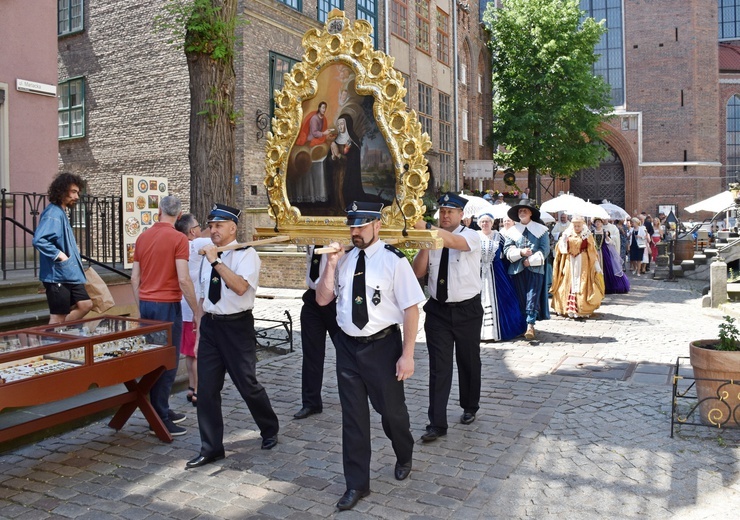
[666, 136]
[135, 107]
[675, 97]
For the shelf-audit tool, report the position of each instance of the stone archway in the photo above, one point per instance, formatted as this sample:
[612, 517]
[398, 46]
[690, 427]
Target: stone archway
[605, 182]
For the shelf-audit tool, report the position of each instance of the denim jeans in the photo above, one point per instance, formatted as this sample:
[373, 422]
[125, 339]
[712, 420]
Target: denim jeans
[159, 395]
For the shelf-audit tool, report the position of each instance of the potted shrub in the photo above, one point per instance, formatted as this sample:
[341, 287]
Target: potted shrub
[719, 359]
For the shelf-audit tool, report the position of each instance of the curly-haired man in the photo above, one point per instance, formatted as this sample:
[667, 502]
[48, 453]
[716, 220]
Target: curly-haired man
[61, 269]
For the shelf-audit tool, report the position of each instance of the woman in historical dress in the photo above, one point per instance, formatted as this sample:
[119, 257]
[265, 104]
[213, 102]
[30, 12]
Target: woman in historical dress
[502, 318]
[614, 279]
[638, 237]
[658, 231]
[577, 282]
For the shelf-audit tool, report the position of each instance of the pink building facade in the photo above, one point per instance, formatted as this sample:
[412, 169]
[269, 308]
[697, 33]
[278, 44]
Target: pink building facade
[28, 104]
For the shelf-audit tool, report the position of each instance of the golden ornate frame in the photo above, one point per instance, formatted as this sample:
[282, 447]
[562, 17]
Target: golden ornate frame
[350, 44]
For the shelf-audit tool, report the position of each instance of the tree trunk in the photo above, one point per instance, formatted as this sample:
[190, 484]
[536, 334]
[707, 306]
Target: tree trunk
[533, 183]
[212, 129]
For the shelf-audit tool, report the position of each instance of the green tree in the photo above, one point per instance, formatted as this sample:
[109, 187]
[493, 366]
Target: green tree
[206, 31]
[548, 103]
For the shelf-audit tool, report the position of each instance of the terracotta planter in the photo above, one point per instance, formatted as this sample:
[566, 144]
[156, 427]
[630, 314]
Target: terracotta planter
[719, 402]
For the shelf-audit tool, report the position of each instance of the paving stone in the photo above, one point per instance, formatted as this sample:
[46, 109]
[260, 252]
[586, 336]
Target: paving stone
[544, 445]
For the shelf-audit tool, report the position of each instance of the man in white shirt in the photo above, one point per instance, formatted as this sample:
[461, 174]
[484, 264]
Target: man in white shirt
[227, 337]
[454, 315]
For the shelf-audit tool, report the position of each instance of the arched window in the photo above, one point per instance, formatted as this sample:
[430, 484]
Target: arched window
[729, 17]
[732, 138]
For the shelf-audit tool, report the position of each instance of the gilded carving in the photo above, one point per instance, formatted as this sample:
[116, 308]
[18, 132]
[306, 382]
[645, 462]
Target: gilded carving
[342, 132]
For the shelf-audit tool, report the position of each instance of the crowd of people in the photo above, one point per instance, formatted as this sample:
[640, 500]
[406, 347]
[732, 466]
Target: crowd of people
[490, 284]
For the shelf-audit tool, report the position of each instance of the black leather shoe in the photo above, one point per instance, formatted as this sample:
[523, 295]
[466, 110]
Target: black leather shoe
[306, 412]
[269, 443]
[467, 418]
[402, 470]
[202, 460]
[350, 498]
[433, 434]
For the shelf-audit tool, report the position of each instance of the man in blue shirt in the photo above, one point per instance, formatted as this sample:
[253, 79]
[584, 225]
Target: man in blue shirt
[61, 269]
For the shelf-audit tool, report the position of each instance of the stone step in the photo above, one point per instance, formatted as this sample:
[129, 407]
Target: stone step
[710, 252]
[21, 302]
[688, 265]
[700, 259]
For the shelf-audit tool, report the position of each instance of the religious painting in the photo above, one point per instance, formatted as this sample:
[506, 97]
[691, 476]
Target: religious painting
[342, 133]
[340, 156]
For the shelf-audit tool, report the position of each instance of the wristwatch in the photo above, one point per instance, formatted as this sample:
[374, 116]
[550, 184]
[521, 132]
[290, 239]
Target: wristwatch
[429, 225]
[216, 262]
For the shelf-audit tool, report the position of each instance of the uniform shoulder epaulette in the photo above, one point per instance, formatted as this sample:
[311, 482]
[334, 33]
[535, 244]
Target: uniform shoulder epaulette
[395, 251]
[242, 248]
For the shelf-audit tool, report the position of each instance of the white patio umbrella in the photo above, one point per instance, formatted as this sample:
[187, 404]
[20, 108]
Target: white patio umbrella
[546, 217]
[496, 210]
[475, 205]
[565, 202]
[615, 212]
[588, 209]
[714, 204]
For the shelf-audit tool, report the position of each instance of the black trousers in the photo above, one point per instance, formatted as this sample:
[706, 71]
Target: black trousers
[316, 321]
[229, 346]
[451, 327]
[369, 370]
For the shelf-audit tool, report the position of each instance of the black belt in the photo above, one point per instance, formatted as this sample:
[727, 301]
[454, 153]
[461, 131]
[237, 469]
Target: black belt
[378, 335]
[228, 317]
[459, 304]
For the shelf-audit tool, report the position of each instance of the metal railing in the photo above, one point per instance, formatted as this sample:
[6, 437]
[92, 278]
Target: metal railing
[96, 221]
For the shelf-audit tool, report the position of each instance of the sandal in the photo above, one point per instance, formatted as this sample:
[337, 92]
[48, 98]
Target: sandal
[194, 399]
[191, 393]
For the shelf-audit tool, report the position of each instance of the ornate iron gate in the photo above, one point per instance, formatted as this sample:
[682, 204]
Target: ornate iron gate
[603, 183]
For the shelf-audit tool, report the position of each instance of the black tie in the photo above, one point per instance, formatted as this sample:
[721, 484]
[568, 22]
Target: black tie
[214, 289]
[313, 273]
[359, 305]
[442, 276]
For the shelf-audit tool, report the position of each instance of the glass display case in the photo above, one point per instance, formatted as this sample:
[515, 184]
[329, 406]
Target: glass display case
[53, 362]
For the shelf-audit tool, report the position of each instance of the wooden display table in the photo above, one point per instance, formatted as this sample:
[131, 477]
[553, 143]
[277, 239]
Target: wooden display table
[45, 364]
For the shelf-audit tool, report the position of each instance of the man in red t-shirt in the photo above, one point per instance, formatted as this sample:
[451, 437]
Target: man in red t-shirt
[160, 278]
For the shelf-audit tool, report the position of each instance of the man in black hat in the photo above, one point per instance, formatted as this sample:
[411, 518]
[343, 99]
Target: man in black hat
[227, 337]
[375, 290]
[527, 247]
[454, 314]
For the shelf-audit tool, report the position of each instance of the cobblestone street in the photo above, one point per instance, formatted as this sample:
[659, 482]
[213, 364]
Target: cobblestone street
[574, 426]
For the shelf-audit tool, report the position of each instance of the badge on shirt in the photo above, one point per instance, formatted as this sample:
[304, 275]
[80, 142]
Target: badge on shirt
[376, 297]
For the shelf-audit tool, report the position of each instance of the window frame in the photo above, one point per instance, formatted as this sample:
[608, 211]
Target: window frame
[273, 57]
[465, 130]
[425, 107]
[721, 23]
[399, 19]
[423, 27]
[610, 50]
[296, 5]
[445, 123]
[331, 4]
[732, 118]
[71, 108]
[443, 37]
[362, 12]
[70, 30]
[480, 132]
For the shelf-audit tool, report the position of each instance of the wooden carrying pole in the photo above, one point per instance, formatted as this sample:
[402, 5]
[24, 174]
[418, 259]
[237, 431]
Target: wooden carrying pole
[328, 249]
[263, 241]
